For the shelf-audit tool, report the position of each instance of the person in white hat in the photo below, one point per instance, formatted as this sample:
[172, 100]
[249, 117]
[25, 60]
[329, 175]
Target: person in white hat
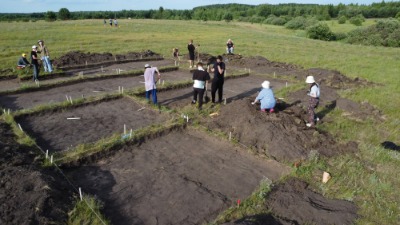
[266, 97]
[150, 82]
[35, 63]
[314, 93]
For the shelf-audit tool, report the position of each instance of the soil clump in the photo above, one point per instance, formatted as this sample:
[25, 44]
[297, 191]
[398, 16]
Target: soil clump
[29, 194]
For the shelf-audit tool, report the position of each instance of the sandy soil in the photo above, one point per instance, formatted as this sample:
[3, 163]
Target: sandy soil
[53, 131]
[88, 88]
[185, 177]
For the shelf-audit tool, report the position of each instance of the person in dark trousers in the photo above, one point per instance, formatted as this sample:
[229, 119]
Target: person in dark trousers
[314, 93]
[111, 22]
[23, 62]
[200, 79]
[191, 49]
[229, 47]
[218, 81]
[35, 63]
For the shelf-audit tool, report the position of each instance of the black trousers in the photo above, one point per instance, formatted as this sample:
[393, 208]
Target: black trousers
[217, 85]
[200, 93]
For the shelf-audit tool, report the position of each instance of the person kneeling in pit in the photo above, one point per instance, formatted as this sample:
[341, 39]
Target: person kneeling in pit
[23, 62]
[266, 98]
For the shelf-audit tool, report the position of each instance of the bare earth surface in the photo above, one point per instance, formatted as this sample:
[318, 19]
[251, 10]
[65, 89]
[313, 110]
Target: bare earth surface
[53, 131]
[185, 177]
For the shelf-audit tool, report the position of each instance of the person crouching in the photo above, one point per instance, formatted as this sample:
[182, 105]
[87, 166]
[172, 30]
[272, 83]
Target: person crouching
[266, 98]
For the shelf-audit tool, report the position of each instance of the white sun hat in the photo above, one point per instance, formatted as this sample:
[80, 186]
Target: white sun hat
[34, 47]
[265, 84]
[147, 66]
[310, 80]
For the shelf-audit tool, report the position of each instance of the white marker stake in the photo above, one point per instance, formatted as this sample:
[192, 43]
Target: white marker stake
[47, 153]
[8, 111]
[70, 99]
[122, 90]
[230, 136]
[80, 194]
[274, 75]
[159, 81]
[102, 69]
[163, 82]
[187, 118]
[119, 89]
[124, 129]
[130, 134]
[67, 98]
[20, 127]
[51, 159]
[86, 62]
[286, 84]
[225, 101]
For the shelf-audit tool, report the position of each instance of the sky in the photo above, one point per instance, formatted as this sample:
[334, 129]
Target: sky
[28, 6]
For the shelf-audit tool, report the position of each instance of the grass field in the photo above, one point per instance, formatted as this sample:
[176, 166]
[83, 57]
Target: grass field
[368, 178]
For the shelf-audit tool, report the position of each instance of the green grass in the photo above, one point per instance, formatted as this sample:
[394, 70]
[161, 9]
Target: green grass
[368, 177]
[87, 211]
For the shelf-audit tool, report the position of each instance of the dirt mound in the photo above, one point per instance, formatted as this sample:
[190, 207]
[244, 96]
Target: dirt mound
[74, 58]
[335, 79]
[29, 194]
[281, 135]
[294, 202]
[254, 62]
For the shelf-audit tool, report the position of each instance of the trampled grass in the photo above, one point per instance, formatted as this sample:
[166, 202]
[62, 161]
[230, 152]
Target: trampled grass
[367, 177]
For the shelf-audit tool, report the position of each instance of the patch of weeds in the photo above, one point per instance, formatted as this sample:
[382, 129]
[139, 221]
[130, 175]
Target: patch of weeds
[87, 211]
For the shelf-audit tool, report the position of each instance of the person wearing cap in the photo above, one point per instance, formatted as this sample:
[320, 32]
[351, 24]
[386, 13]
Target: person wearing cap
[45, 56]
[266, 98]
[35, 63]
[314, 93]
[229, 46]
[200, 83]
[23, 62]
[150, 82]
[218, 80]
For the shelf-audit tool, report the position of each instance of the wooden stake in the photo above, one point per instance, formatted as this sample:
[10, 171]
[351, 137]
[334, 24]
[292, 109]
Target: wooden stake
[19, 125]
[47, 153]
[80, 194]
[124, 129]
[51, 159]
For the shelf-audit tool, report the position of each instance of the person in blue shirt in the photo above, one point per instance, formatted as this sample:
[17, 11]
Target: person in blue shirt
[313, 92]
[266, 98]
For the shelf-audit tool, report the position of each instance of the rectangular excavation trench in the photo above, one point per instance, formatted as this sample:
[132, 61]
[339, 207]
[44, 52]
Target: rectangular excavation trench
[65, 129]
[58, 94]
[183, 177]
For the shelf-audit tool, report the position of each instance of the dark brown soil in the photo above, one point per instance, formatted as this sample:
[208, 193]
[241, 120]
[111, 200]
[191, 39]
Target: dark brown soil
[28, 193]
[79, 58]
[53, 131]
[87, 89]
[184, 177]
[295, 203]
[281, 135]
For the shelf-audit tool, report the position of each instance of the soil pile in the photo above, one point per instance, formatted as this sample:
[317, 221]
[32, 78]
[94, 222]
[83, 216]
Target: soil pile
[254, 62]
[294, 203]
[335, 79]
[281, 135]
[74, 58]
[28, 194]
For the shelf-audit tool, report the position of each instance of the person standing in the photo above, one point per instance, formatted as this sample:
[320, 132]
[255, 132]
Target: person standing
[266, 98]
[200, 79]
[218, 80]
[23, 62]
[105, 22]
[150, 82]
[229, 46]
[35, 63]
[111, 22]
[115, 23]
[45, 56]
[191, 49]
[314, 93]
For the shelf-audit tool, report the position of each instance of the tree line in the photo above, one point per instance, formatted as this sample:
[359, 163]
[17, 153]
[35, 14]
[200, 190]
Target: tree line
[240, 12]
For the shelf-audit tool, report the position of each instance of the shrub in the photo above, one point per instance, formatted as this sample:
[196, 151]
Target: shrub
[342, 20]
[320, 31]
[274, 20]
[394, 39]
[300, 23]
[357, 20]
[340, 36]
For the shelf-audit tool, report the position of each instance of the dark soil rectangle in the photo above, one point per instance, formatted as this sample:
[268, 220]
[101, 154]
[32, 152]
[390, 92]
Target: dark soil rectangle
[234, 89]
[184, 177]
[55, 132]
[86, 88]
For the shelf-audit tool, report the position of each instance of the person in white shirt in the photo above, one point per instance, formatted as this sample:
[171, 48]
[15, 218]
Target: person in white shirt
[150, 82]
[314, 93]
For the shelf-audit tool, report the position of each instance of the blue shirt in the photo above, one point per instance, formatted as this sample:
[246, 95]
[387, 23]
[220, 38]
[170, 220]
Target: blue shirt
[267, 98]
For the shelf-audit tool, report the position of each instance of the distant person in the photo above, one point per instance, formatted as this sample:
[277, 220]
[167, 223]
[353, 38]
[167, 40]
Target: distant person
[266, 98]
[229, 46]
[45, 56]
[175, 55]
[314, 93]
[150, 82]
[105, 22]
[200, 83]
[35, 63]
[115, 23]
[111, 22]
[218, 80]
[23, 62]
[191, 49]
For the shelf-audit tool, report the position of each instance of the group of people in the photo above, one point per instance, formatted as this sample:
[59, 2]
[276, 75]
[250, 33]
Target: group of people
[111, 21]
[44, 57]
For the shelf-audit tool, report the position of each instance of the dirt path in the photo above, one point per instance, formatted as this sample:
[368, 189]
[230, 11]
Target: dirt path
[53, 131]
[234, 89]
[185, 177]
[87, 88]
